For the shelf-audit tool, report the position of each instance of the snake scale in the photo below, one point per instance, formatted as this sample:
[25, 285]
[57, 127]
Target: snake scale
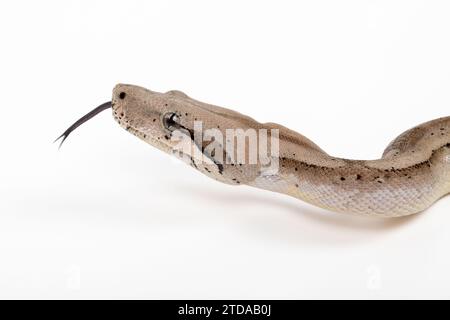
[412, 174]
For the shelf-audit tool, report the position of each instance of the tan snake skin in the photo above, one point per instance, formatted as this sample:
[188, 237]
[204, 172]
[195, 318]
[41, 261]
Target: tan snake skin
[412, 174]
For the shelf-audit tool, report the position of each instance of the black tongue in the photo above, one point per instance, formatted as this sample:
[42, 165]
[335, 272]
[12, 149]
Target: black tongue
[82, 120]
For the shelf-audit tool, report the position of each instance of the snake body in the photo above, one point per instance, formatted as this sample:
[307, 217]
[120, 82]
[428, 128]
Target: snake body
[412, 174]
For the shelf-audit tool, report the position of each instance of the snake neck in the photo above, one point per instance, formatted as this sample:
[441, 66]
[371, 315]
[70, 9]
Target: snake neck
[408, 179]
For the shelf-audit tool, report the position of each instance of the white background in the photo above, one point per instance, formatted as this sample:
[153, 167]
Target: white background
[108, 216]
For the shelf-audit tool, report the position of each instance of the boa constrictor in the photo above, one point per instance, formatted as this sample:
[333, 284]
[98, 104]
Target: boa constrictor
[412, 174]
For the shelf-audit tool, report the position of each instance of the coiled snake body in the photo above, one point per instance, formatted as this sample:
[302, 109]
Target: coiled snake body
[412, 174]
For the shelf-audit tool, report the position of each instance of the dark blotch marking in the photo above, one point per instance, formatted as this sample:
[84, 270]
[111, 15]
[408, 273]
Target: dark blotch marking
[220, 167]
[193, 163]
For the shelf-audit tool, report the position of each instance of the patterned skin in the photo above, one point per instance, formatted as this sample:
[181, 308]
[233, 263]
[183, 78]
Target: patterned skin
[412, 174]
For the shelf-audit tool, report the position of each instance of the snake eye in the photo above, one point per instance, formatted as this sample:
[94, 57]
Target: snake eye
[170, 121]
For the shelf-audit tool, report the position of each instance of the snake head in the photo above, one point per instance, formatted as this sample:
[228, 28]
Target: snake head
[179, 125]
[152, 116]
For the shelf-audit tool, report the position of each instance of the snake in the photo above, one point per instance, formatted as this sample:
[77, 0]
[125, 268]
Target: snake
[412, 174]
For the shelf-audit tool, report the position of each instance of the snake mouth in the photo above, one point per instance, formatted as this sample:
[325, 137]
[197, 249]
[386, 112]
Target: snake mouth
[83, 119]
